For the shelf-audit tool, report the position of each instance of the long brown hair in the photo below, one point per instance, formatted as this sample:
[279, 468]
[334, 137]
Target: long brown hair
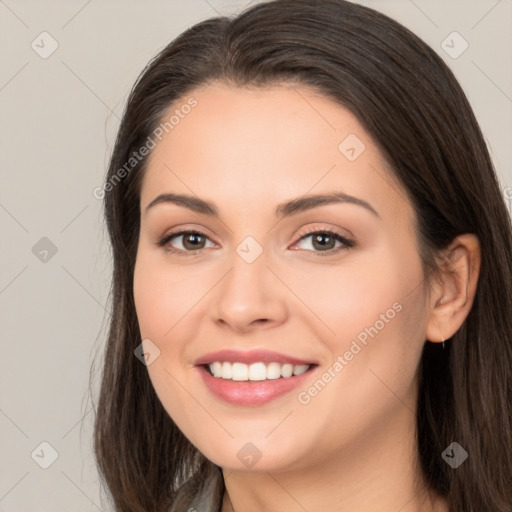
[410, 103]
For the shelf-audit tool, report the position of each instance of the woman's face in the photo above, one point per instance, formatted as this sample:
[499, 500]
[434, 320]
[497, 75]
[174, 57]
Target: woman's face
[265, 283]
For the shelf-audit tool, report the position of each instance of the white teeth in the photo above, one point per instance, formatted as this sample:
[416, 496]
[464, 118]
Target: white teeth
[216, 369]
[227, 372]
[255, 371]
[273, 371]
[300, 369]
[240, 371]
[286, 370]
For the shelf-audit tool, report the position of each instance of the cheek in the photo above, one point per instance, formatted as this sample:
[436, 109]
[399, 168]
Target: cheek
[164, 296]
[352, 295]
[372, 314]
[150, 303]
[371, 376]
[162, 300]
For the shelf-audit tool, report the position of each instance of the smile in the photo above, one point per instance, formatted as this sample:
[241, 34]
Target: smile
[253, 378]
[255, 372]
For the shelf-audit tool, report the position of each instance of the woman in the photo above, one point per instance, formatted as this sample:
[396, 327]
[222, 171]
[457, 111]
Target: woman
[312, 278]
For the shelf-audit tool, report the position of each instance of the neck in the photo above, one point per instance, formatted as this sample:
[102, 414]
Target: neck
[377, 472]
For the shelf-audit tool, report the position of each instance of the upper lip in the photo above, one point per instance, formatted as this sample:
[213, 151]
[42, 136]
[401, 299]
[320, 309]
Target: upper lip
[249, 357]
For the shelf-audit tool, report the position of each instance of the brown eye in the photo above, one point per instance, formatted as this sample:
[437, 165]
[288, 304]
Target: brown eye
[191, 241]
[323, 242]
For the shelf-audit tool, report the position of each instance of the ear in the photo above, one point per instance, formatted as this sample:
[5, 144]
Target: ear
[454, 291]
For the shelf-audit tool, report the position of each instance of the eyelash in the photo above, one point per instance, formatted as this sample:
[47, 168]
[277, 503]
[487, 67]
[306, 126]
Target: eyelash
[348, 244]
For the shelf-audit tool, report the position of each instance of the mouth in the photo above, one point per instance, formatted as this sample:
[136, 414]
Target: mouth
[252, 378]
[255, 372]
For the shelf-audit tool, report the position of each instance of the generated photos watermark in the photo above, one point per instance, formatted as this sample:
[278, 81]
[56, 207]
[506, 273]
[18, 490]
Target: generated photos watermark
[341, 361]
[137, 156]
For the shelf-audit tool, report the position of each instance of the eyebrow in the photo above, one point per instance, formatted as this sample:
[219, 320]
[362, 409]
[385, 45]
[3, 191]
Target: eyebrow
[291, 207]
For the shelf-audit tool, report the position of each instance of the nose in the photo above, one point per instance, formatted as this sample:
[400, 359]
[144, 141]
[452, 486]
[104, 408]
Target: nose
[249, 296]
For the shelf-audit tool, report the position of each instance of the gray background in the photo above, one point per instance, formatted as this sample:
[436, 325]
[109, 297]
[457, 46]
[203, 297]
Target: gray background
[59, 116]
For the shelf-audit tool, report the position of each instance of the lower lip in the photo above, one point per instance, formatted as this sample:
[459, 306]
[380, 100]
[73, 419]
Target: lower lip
[251, 393]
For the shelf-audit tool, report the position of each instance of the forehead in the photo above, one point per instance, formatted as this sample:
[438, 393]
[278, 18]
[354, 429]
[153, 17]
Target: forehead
[289, 121]
[266, 144]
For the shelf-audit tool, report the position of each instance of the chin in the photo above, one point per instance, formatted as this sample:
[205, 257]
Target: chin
[252, 456]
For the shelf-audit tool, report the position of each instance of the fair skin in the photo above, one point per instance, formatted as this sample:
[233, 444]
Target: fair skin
[352, 446]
